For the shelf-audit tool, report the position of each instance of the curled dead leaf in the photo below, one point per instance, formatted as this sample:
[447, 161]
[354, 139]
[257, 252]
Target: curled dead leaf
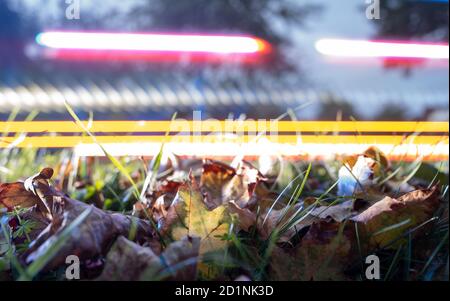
[128, 261]
[14, 195]
[91, 239]
[387, 219]
[222, 183]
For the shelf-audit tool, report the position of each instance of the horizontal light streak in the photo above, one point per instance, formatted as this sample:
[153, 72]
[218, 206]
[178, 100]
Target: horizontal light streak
[320, 138]
[234, 126]
[381, 49]
[405, 152]
[154, 42]
[72, 141]
[154, 57]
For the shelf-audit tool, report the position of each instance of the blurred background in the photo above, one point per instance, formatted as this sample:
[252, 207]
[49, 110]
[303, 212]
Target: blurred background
[291, 74]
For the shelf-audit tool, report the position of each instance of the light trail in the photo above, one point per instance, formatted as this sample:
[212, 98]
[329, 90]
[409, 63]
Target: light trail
[381, 49]
[228, 138]
[119, 126]
[157, 47]
[151, 42]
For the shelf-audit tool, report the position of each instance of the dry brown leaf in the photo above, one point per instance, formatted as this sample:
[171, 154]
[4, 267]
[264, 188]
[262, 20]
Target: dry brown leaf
[245, 218]
[405, 212]
[128, 261]
[242, 187]
[278, 217]
[323, 254]
[222, 183]
[165, 191]
[215, 175]
[14, 195]
[329, 248]
[91, 239]
[339, 212]
[189, 215]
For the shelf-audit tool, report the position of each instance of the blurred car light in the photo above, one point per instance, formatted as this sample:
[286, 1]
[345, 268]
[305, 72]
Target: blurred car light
[381, 49]
[152, 46]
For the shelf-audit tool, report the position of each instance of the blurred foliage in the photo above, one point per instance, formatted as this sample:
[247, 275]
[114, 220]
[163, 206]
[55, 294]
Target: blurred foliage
[334, 110]
[413, 20]
[254, 17]
[248, 16]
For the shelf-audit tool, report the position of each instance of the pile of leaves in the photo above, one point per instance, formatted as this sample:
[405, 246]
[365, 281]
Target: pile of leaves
[209, 220]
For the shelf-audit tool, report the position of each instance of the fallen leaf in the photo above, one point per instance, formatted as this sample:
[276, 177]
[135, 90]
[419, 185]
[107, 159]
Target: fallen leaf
[180, 260]
[215, 175]
[275, 218]
[222, 183]
[14, 195]
[37, 185]
[189, 215]
[93, 238]
[329, 247]
[322, 255]
[338, 212]
[389, 218]
[165, 192]
[128, 261]
[245, 217]
[242, 187]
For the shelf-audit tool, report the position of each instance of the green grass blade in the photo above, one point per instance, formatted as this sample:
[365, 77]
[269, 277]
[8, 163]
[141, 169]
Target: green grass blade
[279, 197]
[113, 160]
[435, 252]
[392, 227]
[393, 263]
[150, 180]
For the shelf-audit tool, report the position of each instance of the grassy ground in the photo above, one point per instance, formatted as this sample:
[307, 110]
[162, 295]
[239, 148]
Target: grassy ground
[262, 227]
[97, 181]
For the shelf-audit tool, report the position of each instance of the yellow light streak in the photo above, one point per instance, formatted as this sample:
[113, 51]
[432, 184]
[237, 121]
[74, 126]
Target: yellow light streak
[321, 138]
[208, 125]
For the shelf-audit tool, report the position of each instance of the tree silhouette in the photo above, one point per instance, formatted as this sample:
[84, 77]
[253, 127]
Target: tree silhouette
[254, 17]
[426, 20]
